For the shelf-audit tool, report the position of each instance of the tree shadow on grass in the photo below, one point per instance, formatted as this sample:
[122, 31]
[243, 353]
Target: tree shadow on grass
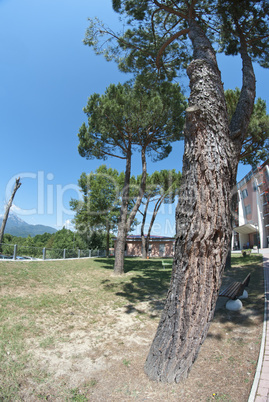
[131, 264]
[149, 283]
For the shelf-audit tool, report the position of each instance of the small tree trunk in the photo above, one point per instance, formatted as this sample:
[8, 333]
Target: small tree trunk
[141, 190]
[143, 247]
[9, 204]
[122, 228]
[228, 264]
[126, 222]
[107, 238]
[143, 239]
[156, 209]
[203, 220]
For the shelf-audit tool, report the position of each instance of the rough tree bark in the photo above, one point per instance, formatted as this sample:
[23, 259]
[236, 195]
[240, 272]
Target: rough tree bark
[203, 214]
[9, 204]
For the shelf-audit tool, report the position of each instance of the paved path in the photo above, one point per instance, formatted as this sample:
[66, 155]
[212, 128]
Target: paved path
[260, 389]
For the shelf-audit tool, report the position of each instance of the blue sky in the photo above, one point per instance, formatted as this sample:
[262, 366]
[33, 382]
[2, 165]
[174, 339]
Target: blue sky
[47, 75]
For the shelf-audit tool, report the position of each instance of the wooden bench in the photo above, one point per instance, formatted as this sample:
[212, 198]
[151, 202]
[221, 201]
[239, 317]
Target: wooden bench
[166, 263]
[235, 289]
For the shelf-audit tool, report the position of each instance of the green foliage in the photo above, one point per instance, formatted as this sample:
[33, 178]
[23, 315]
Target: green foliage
[42, 240]
[62, 239]
[256, 142]
[98, 212]
[97, 240]
[26, 245]
[162, 187]
[157, 34]
[167, 184]
[7, 238]
[100, 207]
[132, 116]
[137, 49]
[244, 18]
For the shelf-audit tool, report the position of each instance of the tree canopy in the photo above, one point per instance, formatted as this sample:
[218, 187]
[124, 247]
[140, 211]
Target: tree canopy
[157, 34]
[129, 117]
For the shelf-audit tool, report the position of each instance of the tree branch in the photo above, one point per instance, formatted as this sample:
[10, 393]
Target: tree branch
[114, 156]
[250, 42]
[170, 10]
[191, 9]
[167, 43]
[121, 40]
[244, 108]
[120, 132]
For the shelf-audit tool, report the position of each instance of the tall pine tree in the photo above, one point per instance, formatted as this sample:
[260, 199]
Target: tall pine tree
[172, 36]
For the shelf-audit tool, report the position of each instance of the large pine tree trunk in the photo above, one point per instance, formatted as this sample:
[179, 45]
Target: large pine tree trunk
[9, 204]
[202, 218]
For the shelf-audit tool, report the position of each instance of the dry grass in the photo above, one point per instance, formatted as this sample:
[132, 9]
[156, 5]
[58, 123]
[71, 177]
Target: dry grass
[71, 331]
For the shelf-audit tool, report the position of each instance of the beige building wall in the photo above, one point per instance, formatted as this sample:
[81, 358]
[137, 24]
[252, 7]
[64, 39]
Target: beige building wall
[158, 248]
[133, 249]
[252, 227]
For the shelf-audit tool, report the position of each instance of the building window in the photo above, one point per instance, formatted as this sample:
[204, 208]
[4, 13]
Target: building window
[245, 193]
[161, 249]
[248, 209]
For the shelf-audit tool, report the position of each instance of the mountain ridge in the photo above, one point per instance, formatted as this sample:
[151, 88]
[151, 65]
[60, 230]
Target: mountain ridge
[17, 227]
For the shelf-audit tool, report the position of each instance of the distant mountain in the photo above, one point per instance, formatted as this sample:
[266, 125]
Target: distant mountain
[17, 227]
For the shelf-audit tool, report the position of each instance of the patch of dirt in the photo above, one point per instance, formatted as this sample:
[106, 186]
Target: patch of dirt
[101, 357]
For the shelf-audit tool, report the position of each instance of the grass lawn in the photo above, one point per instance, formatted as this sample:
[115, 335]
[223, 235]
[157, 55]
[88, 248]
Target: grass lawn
[71, 331]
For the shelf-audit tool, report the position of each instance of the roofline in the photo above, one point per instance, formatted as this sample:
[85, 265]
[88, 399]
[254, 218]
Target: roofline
[251, 173]
[160, 238]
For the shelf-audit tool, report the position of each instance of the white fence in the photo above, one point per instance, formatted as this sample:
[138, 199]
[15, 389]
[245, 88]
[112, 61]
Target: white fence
[20, 252]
